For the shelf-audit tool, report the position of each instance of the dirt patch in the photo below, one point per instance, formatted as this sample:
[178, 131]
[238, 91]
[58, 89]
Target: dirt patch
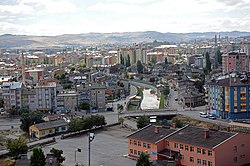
[117, 131]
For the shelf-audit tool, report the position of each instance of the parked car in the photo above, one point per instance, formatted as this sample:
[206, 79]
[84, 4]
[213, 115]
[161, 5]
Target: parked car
[212, 117]
[203, 114]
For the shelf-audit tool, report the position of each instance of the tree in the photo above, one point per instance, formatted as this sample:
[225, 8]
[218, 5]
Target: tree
[58, 154]
[84, 105]
[139, 67]
[208, 62]
[122, 59]
[166, 61]
[121, 120]
[166, 90]
[178, 122]
[219, 55]
[72, 69]
[153, 59]
[37, 158]
[17, 146]
[142, 121]
[152, 79]
[143, 160]
[128, 61]
[1, 103]
[29, 118]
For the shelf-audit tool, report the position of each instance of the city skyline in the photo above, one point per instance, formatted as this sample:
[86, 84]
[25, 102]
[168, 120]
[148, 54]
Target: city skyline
[56, 17]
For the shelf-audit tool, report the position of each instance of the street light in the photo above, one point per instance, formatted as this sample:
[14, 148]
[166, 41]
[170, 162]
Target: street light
[77, 150]
[91, 138]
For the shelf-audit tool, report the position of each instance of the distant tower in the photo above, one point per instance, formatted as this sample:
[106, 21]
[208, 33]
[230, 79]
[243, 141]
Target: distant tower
[23, 69]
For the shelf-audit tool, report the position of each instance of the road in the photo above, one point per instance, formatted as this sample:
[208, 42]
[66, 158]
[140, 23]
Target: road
[6, 123]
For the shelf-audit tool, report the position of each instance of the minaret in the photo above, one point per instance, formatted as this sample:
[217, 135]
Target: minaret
[23, 69]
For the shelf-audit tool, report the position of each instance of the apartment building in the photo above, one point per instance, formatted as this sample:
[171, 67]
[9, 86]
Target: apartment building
[11, 93]
[46, 96]
[29, 100]
[191, 145]
[230, 96]
[97, 97]
[235, 61]
[67, 101]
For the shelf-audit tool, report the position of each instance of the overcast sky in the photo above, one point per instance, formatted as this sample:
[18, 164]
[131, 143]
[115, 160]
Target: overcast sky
[53, 17]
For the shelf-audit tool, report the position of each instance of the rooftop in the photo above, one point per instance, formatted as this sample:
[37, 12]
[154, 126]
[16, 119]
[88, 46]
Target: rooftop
[233, 81]
[51, 124]
[12, 85]
[195, 136]
[148, 133]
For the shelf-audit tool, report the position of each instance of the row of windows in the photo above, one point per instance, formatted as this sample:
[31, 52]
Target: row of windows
[138, 143]
[200, 162]
[135, 152]
[187, 148]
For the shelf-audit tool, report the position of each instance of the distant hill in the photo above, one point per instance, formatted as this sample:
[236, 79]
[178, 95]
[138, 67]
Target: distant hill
[24, 41]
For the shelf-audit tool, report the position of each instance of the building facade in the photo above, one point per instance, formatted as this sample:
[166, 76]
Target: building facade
[230, 97]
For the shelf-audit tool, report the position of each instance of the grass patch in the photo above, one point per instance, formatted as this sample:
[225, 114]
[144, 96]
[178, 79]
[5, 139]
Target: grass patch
[132, 107]
[162, 101]
[139, 91]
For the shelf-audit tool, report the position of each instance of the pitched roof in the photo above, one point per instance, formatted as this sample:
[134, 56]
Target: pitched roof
[148, 134]
[195, 136]
[51, 124]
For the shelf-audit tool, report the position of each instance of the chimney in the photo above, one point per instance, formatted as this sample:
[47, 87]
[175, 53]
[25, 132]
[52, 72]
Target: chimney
[174, 125]
[157, 129]
[206, 133]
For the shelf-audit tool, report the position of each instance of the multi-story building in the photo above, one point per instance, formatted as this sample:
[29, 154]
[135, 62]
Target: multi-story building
[97, 97]
[235, 61]
[36, 74]
[67, 101]
[191, 146]
[11, 92]
[29, 100]
[46, 96]
[230, 96]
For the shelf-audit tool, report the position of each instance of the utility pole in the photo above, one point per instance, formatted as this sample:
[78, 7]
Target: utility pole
[91, 138]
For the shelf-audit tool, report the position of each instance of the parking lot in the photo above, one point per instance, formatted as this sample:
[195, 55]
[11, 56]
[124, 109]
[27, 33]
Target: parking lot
[107, 149]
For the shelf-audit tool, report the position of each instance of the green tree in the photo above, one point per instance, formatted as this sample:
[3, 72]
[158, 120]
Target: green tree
[166, 61]
[178, 122]
[143, 160]
[37, 158]
[84, 105]
[1, 103]
[121, 120]
[122, 59]
[208, 62]
[72, 69]
[128, 61]
[152, 79]
[166, 90]
[17, 146]
[139, 67]
[153, 59]
[142, 121]
[58, 154]
[29, 118]
[219, 55]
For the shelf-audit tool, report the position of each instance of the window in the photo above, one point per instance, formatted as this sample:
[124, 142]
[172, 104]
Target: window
[199, 150]
[167, 143]
[203, 151]
[204, 162]
[191, 149]
[50, 131]
[135, 151]
[139, 143]
[135, 142]
[144, 145]
[182, 157]
[186, 148]
[43, 132]
[235, 149]
[210, 153]
[139, 152]
[210, 163]
[131, 151]
[181, 146]
[198, 161]
[191, 159]
[235, 159]
[130, 141]
[149, 146]
[175, 145]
